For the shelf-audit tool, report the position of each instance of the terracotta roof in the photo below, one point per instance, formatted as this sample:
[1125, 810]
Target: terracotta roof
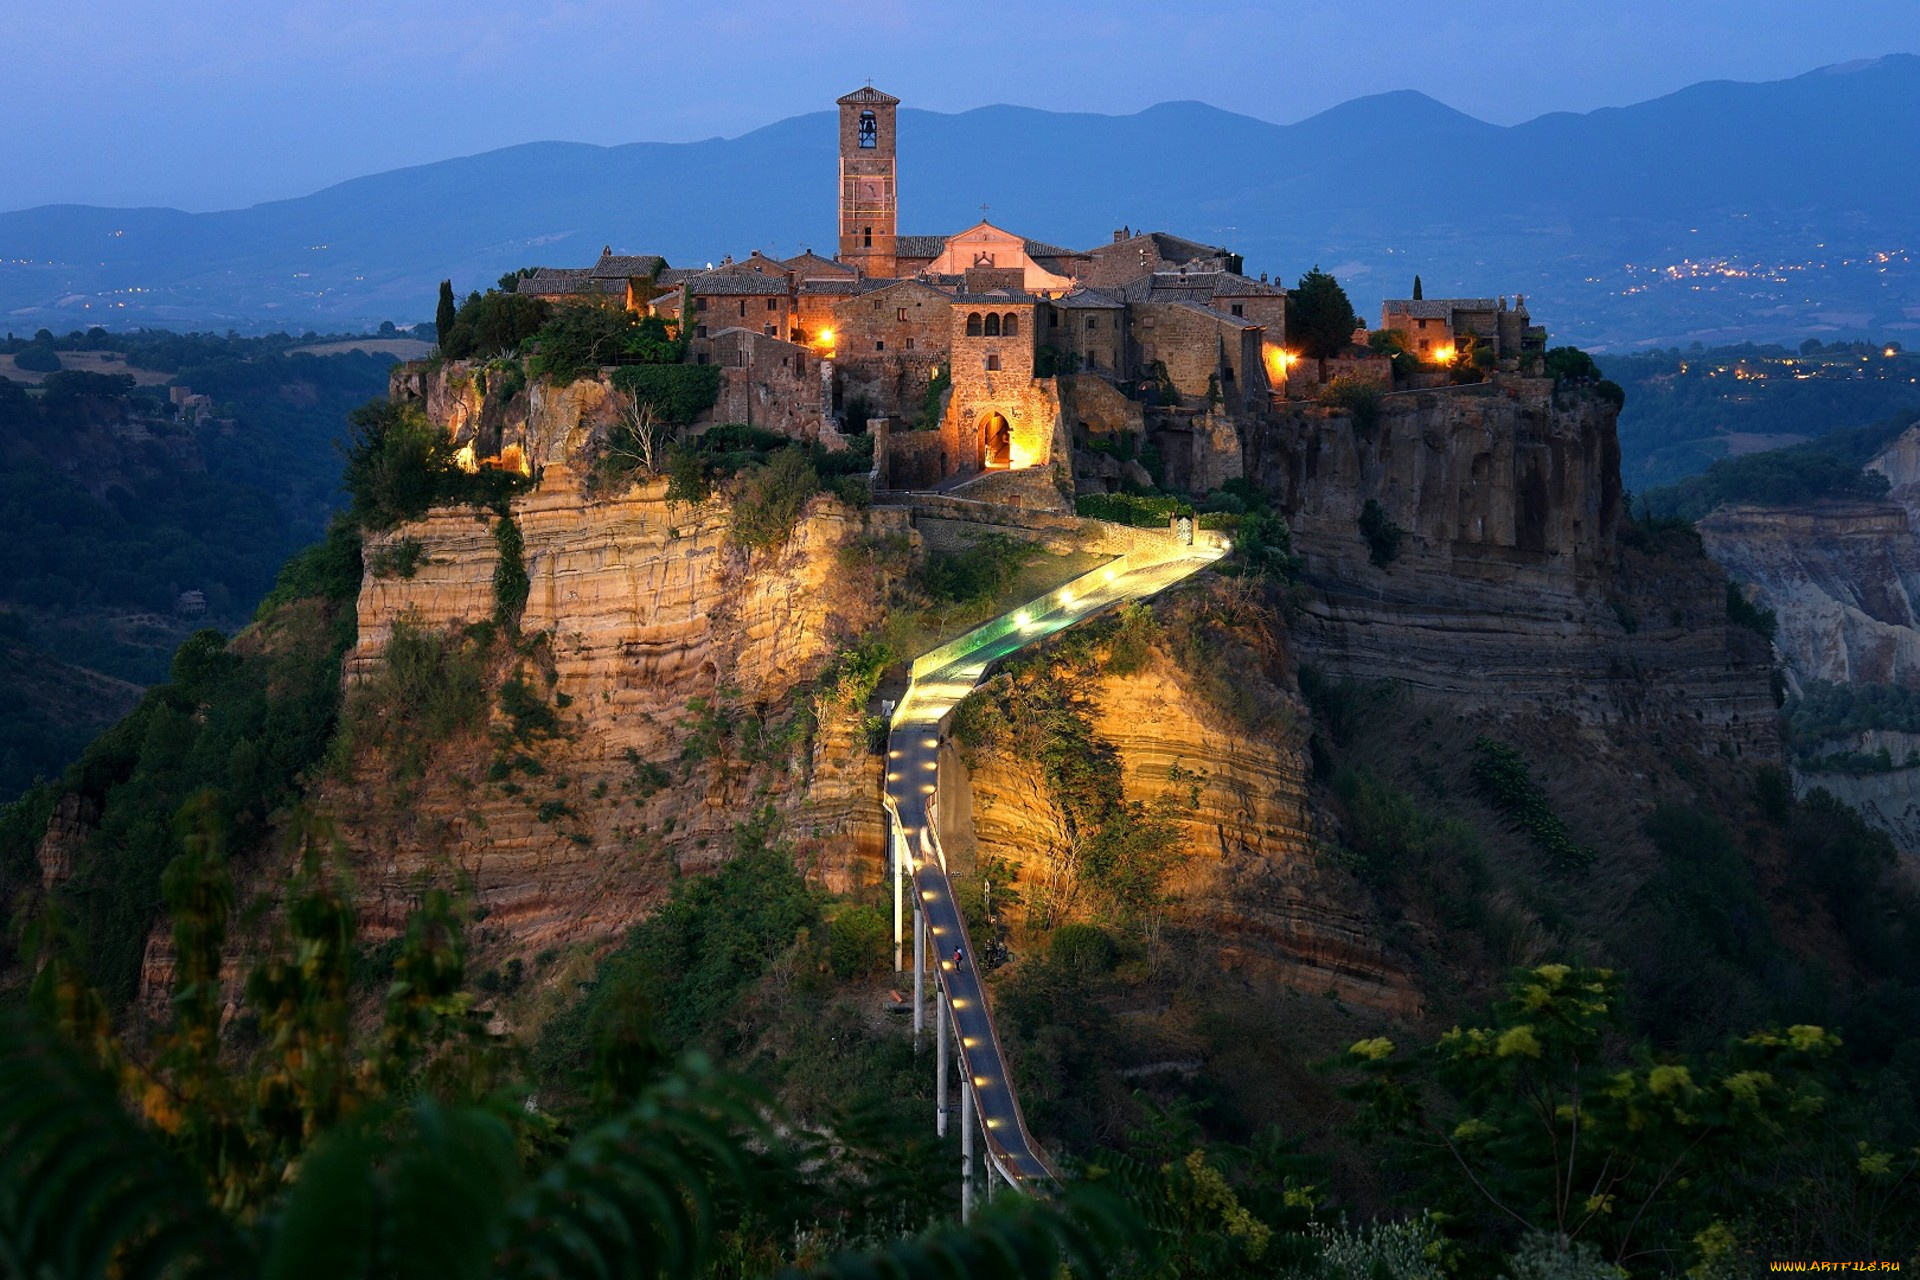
[1226, 284]
[627, 265]
[1236, 322]
[1438, 308]
[1001, 297]
[919, 246]
[830, 284]
[811, 265]
[747, 283]
[1041, 249]
[1088, 299]
[868, 96]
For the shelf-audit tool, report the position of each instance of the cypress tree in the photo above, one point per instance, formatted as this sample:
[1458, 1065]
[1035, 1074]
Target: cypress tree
[1416, 289]
[443, 317]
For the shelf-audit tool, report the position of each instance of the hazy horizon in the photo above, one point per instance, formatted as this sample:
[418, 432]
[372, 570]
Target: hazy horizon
[215, 104]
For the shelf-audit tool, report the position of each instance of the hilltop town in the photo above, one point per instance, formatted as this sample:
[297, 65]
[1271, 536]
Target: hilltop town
[957, 353]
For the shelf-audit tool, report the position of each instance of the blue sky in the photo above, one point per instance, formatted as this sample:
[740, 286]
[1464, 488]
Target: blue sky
[205, 104]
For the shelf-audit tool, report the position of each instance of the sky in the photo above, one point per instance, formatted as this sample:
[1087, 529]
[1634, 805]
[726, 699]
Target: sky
[212, 104]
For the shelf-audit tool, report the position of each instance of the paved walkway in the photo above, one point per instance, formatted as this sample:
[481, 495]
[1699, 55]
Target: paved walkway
[912, 778]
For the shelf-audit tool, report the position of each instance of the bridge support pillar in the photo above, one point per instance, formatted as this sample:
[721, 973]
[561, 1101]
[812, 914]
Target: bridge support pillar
[967, 1121]
[940, 1065]
[899, 893]
[919, 976]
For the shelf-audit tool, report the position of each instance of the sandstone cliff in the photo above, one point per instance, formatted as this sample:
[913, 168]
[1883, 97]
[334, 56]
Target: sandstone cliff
[1509, 590]
[681, 673]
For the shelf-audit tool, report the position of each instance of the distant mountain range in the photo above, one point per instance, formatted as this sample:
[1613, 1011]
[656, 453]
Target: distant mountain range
[1721, 212]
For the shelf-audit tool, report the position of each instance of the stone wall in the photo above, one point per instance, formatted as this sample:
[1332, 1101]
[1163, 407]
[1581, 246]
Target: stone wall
[1203, 351]
[1097, 335]
[887, 344]
[767, 383]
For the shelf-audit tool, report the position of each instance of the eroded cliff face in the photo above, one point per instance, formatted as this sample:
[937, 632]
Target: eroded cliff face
[1250, 879]
[681, 672]
[1843, 578]
[495, 415]
[1510, 591]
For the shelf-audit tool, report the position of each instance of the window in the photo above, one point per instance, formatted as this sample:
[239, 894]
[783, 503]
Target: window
[993, 361]
[880, 344]
[1424, 343]
[1423, 324]
[909, 344]
[743, 308]
[1010, 326]
[866, 237]
[1093, 322]
[973, 324]
[700, 331]
[993, 324]
[699, 304]
[773, 304]
[1053, 318]
[772, 331]
[900, 314]
[869, 131]
[1239, 310]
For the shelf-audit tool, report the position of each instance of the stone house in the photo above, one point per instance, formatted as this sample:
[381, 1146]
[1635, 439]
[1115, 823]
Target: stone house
[1131, 256]
[887, 342]
[998, 416]
[1204, 351]
[1437, 325]
[768, 382]
[1091, 328]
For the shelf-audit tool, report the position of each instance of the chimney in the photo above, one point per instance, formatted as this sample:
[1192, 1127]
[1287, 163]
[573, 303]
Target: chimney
[1119, 234]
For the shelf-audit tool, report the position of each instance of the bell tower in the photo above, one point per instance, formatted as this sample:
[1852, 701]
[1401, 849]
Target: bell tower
[868, 214]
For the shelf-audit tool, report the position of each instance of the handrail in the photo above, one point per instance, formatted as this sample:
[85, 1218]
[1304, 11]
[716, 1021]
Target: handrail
[1066, 606]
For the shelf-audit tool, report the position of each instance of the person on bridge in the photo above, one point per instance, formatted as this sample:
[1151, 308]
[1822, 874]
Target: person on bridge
[959, 958]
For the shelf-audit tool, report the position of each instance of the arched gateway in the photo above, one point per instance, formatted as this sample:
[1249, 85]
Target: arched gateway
[996, 442]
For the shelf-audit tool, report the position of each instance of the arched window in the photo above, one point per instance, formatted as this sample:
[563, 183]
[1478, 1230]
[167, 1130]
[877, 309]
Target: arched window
[1010, 325]
[867, 130]
[993, 324]
[973, 324]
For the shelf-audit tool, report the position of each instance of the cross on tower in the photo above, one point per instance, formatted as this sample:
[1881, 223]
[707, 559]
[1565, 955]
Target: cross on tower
[983, 212]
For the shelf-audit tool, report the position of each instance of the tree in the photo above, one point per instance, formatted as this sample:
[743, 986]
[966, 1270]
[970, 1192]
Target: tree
[1534, 1123]
[443, 317]
[1321, 316]
[1417, 293]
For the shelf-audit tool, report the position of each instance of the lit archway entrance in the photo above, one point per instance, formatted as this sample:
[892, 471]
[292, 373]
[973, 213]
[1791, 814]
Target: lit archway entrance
[996, 443]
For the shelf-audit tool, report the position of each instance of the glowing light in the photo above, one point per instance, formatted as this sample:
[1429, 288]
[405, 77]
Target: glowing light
[1279, 361]
[893, 777]
[1444, 353]
[1023, 620]
[1109, 575]
[1066, 597]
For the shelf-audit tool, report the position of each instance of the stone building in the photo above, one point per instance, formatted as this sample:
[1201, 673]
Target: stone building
[1436, 325]
[998, 417]
[888, 341]
[868, 202]
[1205, 352]
[1090, 329]
[768, 382]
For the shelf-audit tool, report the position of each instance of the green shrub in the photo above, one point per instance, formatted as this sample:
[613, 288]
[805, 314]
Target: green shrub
[1381, 533]
[1357, 395]
[771, 499]
[859, 942]
[429, 686]
[493, 323]
[1502, 776]
[1141, 512]
[581, 339]
[1084, 947]
[977, 574]
[510, 583]
[398, 559]
[678, 393]
[1743, 612]
[37, 358]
